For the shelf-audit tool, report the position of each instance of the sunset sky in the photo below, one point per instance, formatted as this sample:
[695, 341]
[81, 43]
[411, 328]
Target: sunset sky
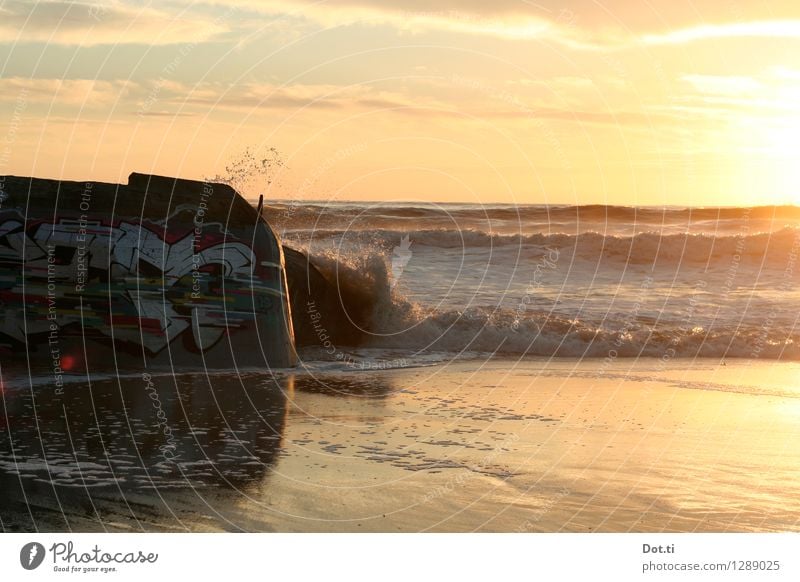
[619, 102]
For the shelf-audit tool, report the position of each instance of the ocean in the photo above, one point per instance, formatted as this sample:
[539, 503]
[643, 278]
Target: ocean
[461, 281]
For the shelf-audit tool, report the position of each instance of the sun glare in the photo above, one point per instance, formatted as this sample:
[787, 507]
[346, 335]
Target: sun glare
[782, 144]
[768, 138]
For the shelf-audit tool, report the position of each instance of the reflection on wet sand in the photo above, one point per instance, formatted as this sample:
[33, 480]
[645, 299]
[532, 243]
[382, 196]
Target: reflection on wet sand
[134, 446]
[371, 386]
[498, 446]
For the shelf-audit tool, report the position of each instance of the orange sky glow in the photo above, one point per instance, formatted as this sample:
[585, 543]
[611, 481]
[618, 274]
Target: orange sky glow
[551, 102]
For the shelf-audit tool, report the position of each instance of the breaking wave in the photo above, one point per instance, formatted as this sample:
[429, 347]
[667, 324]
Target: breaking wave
[387, 319]
[768, 248]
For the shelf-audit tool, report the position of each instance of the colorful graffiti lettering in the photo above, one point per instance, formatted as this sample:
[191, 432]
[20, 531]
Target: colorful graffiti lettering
[127, 281]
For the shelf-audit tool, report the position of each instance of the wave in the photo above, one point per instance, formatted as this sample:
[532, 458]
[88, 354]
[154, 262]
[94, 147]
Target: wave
[387, 320]
[343, 215]
[778, 248]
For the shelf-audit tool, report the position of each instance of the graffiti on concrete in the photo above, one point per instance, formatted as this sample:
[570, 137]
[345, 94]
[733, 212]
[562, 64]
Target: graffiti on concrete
[136, 283]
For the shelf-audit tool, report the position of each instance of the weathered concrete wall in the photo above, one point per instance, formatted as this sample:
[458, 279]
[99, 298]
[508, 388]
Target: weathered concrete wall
[160, 273]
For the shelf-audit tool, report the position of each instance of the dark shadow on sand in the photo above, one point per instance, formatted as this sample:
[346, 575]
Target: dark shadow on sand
[127, 449]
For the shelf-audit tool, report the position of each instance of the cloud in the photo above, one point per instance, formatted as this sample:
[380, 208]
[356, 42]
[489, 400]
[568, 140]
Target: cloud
[703, 98]
[756, 29]
[579, 25]
[772, 95]
[70, 92]
[333, 97]
[170, 99]
[723, 85]
[506, 19]
[164, 98]
[167, 114]
[85, 23]
[612, 117]
[101, 23]
[351, 10]
[267, 96]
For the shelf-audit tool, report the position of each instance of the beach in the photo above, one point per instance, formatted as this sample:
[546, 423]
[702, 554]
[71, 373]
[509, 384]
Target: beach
[278, 277]
[505, 445]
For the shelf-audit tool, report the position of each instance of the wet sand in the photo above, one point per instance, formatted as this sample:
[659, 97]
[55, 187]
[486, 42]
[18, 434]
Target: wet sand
[500, 446]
